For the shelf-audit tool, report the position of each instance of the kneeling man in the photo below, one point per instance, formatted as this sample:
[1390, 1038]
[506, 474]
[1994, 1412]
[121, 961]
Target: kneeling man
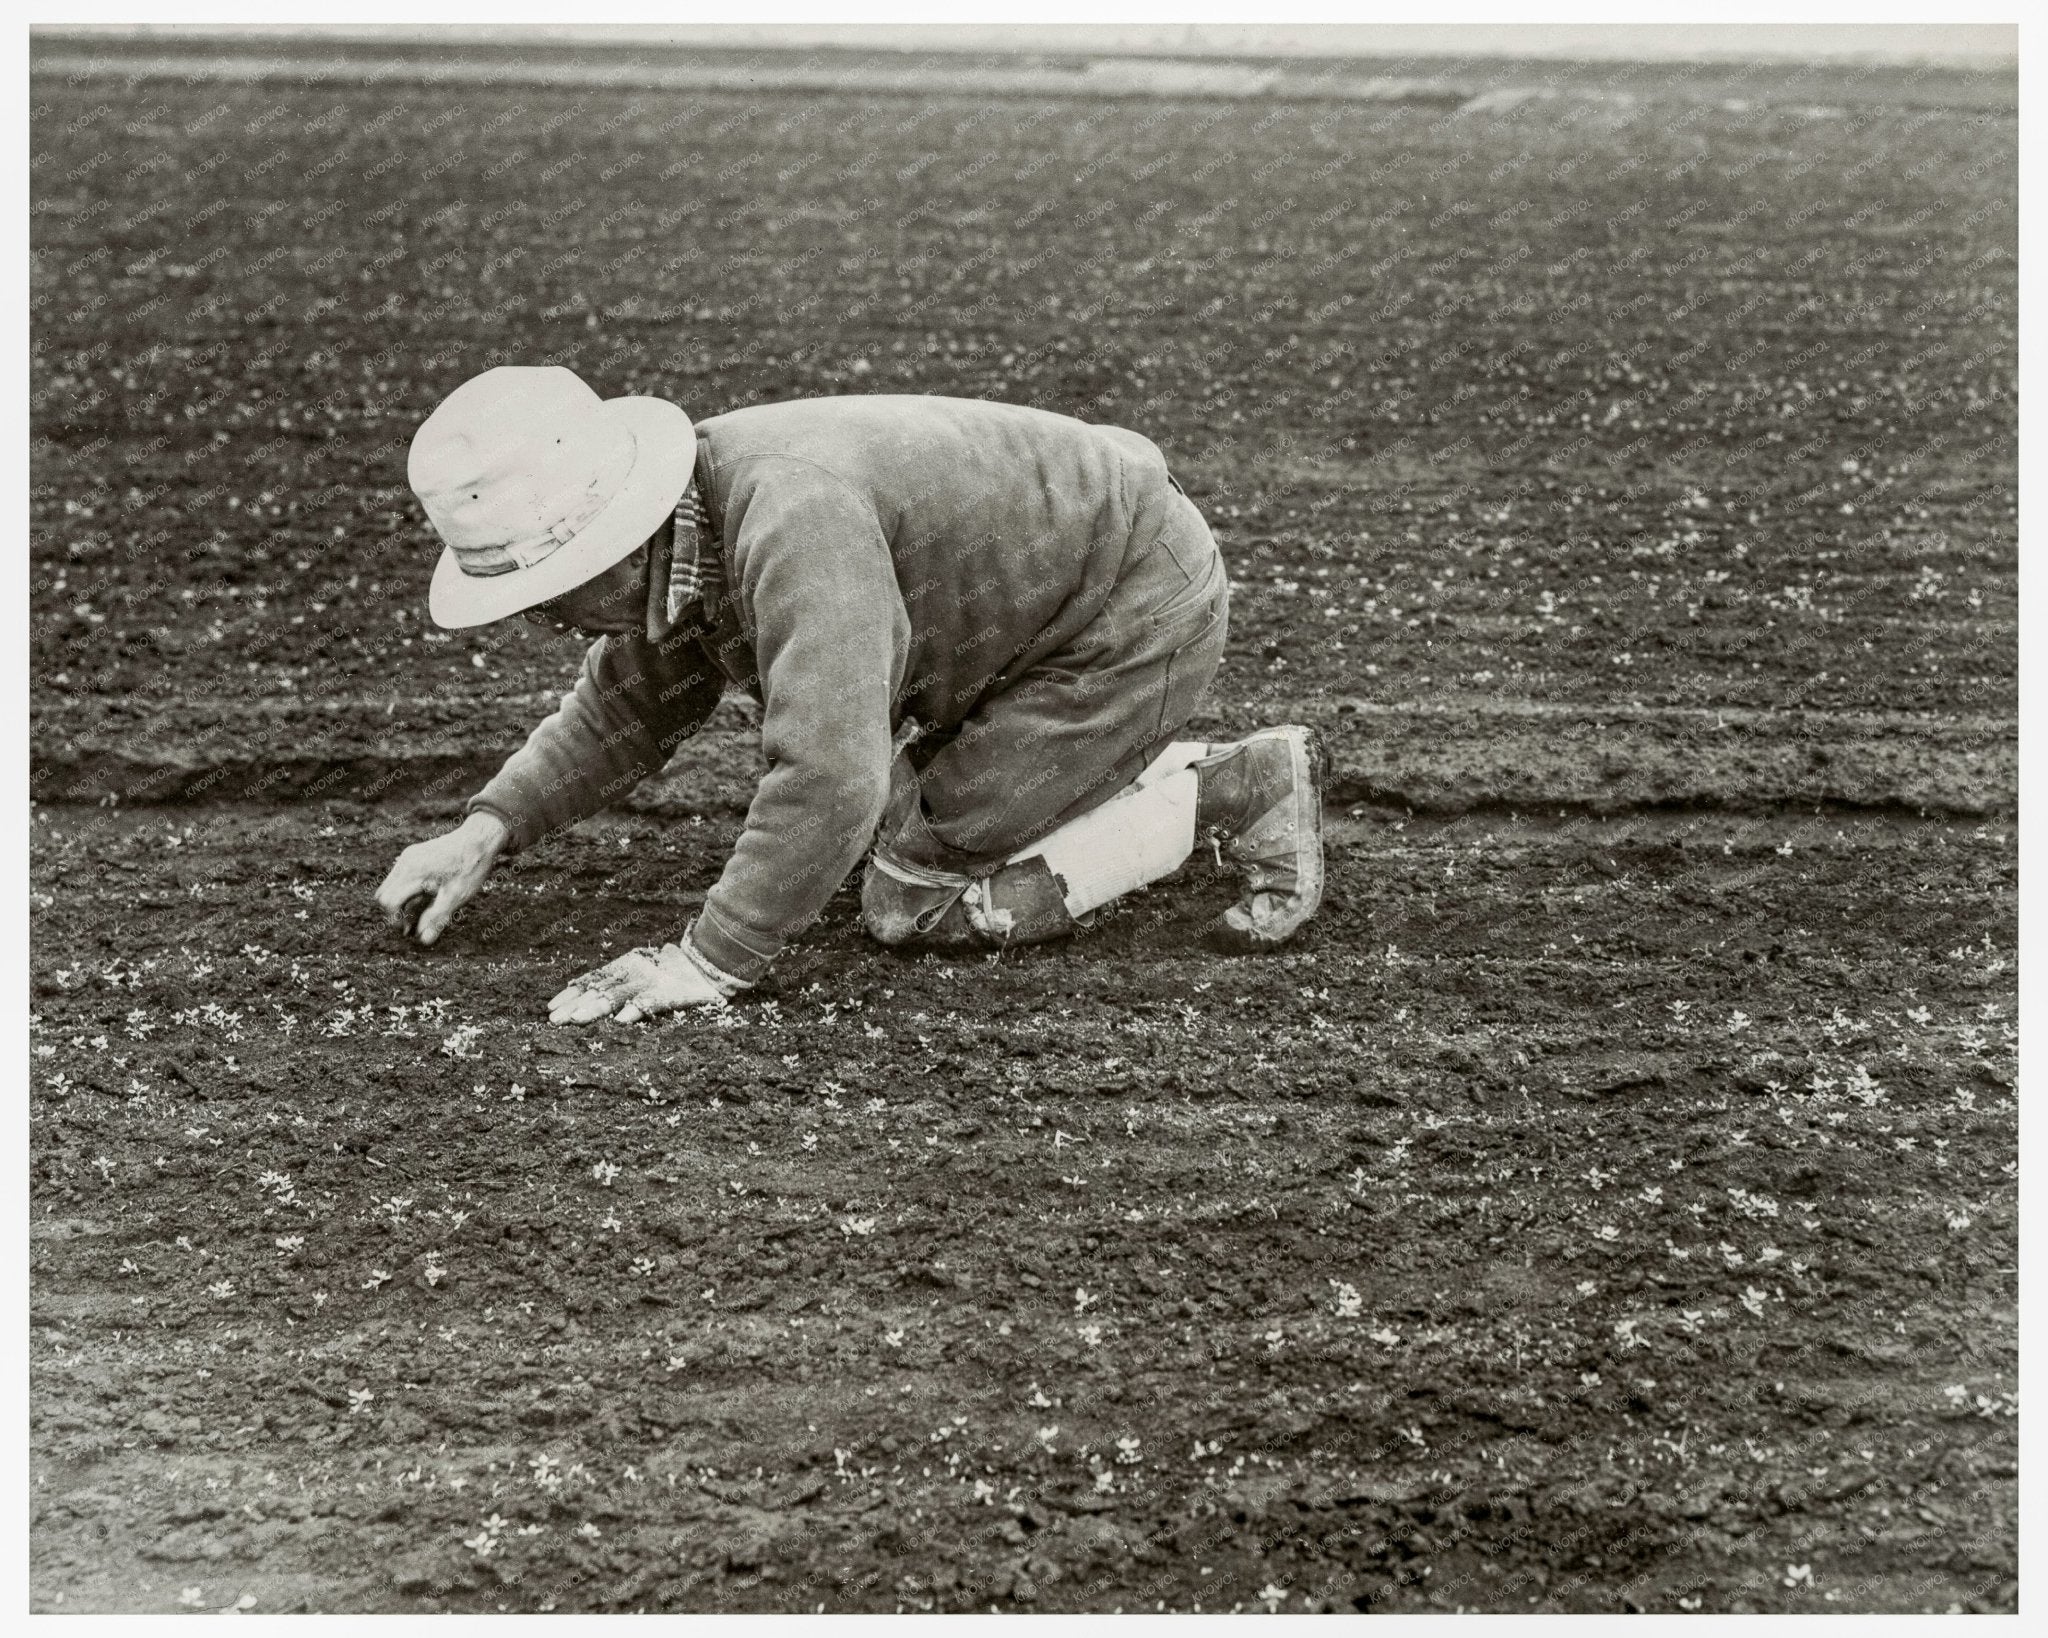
[974, 630]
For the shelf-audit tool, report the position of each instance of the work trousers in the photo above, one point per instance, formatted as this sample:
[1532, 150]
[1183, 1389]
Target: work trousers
[1058, 741]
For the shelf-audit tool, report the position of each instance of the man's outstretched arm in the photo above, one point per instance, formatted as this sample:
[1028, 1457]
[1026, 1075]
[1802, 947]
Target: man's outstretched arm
[632, 705]
[630, 708]
[817, 586]
[831, 638]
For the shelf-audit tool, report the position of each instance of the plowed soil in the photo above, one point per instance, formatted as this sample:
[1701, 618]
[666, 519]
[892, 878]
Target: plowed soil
[1680, 430]
[1586, 1216]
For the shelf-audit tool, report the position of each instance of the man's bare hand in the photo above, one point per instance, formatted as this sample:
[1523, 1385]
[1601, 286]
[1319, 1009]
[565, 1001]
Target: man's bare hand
[640, 984]
[446, 871]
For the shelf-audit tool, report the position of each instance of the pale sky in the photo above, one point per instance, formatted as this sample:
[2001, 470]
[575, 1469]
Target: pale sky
[1896, 42]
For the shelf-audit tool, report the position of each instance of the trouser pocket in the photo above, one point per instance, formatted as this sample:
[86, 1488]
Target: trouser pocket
[1191, 667]
[1183, 572]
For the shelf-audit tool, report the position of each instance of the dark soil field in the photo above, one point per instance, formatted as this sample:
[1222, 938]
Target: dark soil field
[1609, 1204]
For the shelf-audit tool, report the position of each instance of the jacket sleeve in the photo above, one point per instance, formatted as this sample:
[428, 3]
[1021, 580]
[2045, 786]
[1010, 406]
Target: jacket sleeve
[633, 704]
[831, 639]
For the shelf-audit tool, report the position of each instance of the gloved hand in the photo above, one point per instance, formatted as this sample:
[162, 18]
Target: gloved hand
[639, 984]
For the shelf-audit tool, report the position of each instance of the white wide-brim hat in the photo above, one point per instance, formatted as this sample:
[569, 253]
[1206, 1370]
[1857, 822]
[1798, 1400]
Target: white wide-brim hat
[536, 485]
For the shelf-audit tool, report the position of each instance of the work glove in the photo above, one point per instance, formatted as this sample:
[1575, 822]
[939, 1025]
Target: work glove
[641, 984]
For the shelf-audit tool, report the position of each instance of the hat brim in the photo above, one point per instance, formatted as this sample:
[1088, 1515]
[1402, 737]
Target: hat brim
[664, 457]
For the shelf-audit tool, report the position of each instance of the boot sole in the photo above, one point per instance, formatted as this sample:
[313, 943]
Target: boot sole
[1306, 748]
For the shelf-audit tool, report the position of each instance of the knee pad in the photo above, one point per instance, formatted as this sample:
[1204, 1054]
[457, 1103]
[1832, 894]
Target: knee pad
[897, 911]
[1022, 903]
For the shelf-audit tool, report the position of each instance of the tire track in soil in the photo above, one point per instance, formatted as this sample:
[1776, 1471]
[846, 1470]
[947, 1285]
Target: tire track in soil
[1586, 1215]
[1446, 757]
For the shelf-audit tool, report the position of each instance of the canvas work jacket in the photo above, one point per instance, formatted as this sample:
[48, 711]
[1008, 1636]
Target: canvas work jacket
[882, 558]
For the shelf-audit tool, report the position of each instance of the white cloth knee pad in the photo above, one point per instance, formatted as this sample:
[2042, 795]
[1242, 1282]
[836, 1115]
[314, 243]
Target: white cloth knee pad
[1144, 832]
[1170, 761]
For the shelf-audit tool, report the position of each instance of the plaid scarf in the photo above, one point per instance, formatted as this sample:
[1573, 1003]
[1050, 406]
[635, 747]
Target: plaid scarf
[696, 574]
